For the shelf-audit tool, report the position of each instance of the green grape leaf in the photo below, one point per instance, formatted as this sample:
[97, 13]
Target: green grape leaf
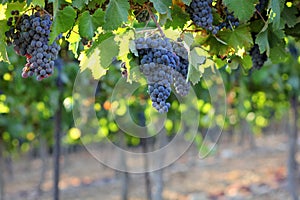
[242, 9]
[40, 3]
[194, 74]
[295, 31]
[278, 54]
[263, 42]
[88, 24]
[245, 62]
[239, 38]
[179, 18]
[3, 53]
[92, 62]
[79, 3]
[217, 47]
[28, 2]
[276, 8]
[187, 2]
[63, 21]
[14, 6]
[163, 7]
[100, 57]
[74, 40]
[197, 58]
[98, 41]
[116, 13]
[108, 50]
[290, 16]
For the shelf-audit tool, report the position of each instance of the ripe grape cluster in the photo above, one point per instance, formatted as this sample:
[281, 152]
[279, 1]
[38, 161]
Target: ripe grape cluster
[230, 21]
[258, 59]
[201, 14]
[161, 66]
[29, 35]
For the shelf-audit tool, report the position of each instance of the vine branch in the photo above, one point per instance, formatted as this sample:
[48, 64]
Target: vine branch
[155, 21]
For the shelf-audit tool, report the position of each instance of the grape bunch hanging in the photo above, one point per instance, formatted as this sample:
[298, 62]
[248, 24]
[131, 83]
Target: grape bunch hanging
[201, 13]
[29, 34]
[258, 59]
[162, 68]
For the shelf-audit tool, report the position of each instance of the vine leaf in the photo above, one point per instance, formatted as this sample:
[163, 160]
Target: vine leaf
[179, 18]
[276, 6]
[242, 9]
[239, 38]
[92, 62]
[79, 3]
[196, 57]
[278, 54]
[14, 6]
[116, 13]
[40, 3]
[74, 40]
[163, 7]
[290, 16]
[62, 22]
[187, 2]
[126, 46]
[88, 24]
[100, 57]
[262, 42]
[3, 53]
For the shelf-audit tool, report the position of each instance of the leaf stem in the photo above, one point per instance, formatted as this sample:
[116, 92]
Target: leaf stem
[261, 16]
[155, 21]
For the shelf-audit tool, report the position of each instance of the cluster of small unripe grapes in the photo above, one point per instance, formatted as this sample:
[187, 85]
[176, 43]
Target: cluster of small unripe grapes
[163, 68]
[142, 15]
[29, 34]
[258, 59]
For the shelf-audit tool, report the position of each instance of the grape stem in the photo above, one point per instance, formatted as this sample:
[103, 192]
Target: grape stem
[261, 16]
[155, 21]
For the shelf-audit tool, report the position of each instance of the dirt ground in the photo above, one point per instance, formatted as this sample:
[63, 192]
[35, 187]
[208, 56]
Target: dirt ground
[233, 173]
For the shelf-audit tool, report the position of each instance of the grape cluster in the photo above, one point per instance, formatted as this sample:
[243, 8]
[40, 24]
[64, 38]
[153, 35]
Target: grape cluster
[201, 14]
[141, 15]
[230, 21]
[262, 4]
[162, 68]
[258, 59]
[30, 36]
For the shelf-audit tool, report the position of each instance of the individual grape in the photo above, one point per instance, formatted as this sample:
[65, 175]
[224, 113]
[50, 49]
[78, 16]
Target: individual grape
[201, 14]
[258, 59]
[30, 37]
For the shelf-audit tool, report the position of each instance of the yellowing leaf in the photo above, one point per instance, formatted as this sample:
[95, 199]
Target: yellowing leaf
[93, 63]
